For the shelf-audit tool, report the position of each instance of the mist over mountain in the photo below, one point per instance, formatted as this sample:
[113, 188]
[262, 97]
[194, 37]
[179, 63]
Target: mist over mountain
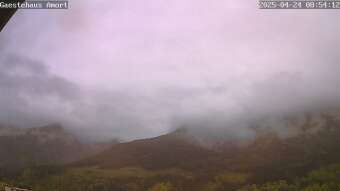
[33, 96]
[180, 95]
[46, 145]
[215, 70]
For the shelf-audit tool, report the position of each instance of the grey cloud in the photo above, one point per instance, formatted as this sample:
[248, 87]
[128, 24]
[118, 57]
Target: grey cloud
[24, 85]
[22, 75]
[143, 69]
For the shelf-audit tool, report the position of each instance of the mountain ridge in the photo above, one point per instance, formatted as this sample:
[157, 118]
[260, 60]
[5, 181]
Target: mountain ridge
[50, 144]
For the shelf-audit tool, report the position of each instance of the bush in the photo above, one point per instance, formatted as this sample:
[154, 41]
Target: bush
[163, 186]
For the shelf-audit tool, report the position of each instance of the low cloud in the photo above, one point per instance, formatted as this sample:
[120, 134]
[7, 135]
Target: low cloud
[140, 69]
[30, 94]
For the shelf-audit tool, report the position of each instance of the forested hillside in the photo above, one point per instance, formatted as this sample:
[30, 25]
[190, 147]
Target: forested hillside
[306, 161]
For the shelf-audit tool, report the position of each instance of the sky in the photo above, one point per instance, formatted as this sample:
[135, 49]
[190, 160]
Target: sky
[134, 69]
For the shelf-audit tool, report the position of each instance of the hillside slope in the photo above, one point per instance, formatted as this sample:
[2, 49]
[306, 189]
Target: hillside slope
[269, 156]
[37, 146]
[167, 151]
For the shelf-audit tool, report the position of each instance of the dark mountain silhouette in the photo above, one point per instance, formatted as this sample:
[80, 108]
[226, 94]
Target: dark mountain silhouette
[50, 144]
[188, 161]
[269, 155]
[167, 151]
